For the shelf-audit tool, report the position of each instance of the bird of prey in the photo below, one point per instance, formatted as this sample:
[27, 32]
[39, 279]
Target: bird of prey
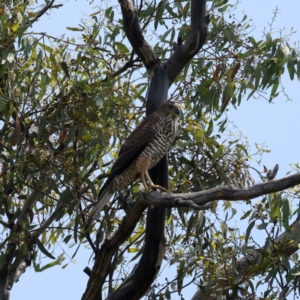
[141, 151]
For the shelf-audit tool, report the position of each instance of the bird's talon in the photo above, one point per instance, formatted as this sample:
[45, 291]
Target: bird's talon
[155, 187]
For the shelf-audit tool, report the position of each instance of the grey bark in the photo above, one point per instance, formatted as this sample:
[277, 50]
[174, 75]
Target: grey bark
[15, 265]
[220, 193]
[108, 248]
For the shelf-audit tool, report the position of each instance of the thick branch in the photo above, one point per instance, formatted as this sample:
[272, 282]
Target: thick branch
[135, 35]
[15, 274]
[108, 248]
[186, 51]
[221, 193]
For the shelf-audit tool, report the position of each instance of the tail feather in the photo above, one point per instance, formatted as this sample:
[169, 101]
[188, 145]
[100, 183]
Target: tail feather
[103, 198]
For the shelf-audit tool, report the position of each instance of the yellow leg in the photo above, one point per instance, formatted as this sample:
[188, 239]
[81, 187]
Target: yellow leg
[144, 182]
[152, 186]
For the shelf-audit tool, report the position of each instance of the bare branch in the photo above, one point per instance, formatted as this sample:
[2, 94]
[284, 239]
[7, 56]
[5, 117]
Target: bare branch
[221, 193]
[108, 248]
[136, 37]
[159, 201]
[186, 51]
[44, 10]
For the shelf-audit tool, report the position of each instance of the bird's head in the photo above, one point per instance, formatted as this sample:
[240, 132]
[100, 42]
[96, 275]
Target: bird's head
[171, 109]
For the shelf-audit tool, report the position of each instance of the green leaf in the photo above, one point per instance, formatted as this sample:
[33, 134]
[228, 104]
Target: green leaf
[64, 198]
[74, 29]
[58, 261]
[159, 13]
[121, 47]
[3, 68]
[108, 12]
[274, 89]
[65, 68]
[76, 251]
[286, 212]
[210, 128]
[67, 238]
[257, 73]
[262, 226]
[92, 187]
[298, 70]
[229, 34]
[168, 294]
[180, 275]
[291, 68]
[2, 104]
[253, 41]
[248, 231]
[246, 214]
[170, 10]
[228, 91]
[43, 249]
[147, 12]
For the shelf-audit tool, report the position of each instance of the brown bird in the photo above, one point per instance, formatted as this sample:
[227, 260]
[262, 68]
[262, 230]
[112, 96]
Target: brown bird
[141, 151]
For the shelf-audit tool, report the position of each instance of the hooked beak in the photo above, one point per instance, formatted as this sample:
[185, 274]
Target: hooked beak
[177, 110]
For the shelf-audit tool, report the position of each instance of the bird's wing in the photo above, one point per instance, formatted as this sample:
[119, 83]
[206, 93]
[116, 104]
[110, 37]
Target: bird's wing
[132, 147]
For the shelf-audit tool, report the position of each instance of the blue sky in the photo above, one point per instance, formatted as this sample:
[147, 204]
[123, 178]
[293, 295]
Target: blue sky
[273, 124]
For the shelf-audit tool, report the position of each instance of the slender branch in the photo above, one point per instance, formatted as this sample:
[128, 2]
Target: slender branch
[44, 10]
[46, 224]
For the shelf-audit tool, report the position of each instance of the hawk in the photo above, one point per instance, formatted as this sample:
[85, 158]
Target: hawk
[141, 151]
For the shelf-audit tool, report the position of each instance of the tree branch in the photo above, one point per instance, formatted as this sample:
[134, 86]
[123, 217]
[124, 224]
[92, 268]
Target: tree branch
[15, 274]
[44, 10]
[136, 37]
[199, 199]
[288, 242]
[186, 51]
[108, 248]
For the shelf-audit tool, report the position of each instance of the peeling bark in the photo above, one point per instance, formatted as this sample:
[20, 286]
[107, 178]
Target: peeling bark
[9, 276]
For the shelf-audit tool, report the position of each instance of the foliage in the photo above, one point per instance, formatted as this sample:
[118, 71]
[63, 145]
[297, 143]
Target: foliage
[66, 106]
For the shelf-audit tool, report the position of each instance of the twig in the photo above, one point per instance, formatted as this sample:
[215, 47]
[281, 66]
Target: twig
[44, 10]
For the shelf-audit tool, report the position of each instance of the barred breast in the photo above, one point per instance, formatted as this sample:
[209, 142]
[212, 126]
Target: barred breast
[166, 131]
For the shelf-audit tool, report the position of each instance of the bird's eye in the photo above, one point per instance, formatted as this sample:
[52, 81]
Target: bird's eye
[170, 106]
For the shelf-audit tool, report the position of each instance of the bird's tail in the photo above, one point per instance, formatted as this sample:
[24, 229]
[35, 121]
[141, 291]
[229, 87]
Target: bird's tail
[103, 198]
